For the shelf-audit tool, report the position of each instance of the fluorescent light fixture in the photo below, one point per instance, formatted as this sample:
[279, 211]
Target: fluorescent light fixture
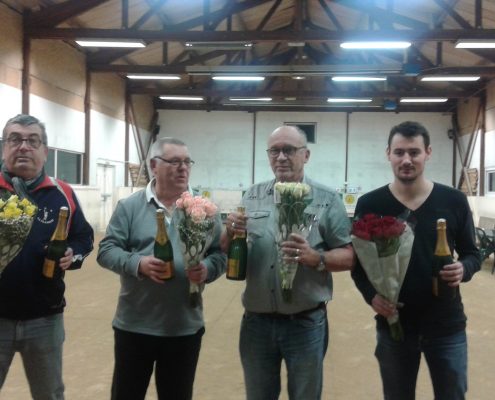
[290, 98]
[218, 45]
[238, 78]
[250, 99]
[298, 77]
[452, 78]
[110, 43]
[153, 77]
[375, 45]
[475, 44]
[182, 98]
[295, 44]
[423, 100]
[357, 78]
[343, 100]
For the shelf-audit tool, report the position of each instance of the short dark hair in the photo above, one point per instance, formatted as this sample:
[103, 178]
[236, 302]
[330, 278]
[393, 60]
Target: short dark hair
[26, 120]
[410, 129]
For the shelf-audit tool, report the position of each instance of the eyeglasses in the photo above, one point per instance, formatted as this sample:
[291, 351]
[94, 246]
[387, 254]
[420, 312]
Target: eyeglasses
[288, 151]
[176, 162]
[32, 141]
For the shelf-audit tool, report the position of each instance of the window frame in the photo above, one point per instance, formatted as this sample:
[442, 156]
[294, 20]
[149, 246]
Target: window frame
[489, 171]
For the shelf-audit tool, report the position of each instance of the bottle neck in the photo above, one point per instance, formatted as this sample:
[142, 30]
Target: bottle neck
[442, 248]
[61, 229]
[161, 231]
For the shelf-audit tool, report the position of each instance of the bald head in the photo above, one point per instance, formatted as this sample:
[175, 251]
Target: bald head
[288, 153]
[290, 130]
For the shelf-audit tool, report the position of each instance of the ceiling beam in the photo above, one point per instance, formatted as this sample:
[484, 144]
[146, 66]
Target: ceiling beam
[307, 94]
[453, 14]
[162, 105]
[382, 14]
[185, 67]
[262, 36]
[58, 13]
[331, 15]
[108, 55]
[268, 15]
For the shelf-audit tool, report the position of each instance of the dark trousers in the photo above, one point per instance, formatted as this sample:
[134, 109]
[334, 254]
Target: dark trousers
[174, 359]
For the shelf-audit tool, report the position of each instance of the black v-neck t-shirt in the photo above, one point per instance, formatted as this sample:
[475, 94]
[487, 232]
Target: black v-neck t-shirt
[422, 312]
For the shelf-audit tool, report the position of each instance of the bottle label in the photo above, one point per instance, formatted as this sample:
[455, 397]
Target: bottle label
[49, 268]
[233, 267]
[168, 272]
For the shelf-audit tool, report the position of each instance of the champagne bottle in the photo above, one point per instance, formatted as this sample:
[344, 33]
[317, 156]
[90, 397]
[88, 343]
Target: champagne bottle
[441, 257]
[57, 246]
[163, 247]
[237, 255]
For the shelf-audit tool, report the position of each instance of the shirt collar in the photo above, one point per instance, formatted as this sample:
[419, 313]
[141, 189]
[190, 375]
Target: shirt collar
[151, 196]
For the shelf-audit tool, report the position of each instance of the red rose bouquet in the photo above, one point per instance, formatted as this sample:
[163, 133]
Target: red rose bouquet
[383, 246]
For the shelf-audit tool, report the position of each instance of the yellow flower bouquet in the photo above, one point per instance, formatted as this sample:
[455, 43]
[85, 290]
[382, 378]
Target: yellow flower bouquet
[16, 218]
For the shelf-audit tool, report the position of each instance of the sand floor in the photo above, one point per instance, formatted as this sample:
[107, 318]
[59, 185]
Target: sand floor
[351, 372]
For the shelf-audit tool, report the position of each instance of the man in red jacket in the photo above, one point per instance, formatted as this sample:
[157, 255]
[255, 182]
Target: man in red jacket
[31, 305]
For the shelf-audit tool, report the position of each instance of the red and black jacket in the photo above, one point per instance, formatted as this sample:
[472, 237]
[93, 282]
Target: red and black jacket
[24, 292]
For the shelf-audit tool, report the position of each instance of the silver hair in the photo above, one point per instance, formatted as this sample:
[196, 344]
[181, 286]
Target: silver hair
[157, 147]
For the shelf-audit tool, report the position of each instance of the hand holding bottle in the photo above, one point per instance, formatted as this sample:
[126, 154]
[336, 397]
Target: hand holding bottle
[445, 272]
[152, 268]
[238, 250]
[452, 273]
[236, 223]
[66, 261]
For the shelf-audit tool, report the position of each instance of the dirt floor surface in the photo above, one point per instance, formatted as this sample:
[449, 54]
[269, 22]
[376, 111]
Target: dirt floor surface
[351, 372]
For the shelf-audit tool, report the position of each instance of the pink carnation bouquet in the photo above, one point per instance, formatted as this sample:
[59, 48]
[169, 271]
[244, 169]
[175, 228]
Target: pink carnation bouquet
[196, 234]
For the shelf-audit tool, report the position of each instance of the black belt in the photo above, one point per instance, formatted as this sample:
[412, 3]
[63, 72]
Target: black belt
[300, 314]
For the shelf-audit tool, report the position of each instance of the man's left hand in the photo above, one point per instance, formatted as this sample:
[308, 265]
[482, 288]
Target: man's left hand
[297, 249]
[66, 260]
[452, 273]
[198, 273]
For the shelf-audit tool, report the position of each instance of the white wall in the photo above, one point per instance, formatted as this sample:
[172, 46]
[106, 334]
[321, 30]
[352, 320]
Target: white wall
[222, 145]
[64, 125]
[107, 146]
[10, 102]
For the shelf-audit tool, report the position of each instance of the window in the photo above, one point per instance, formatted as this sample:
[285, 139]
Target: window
[309, 128]
[490, 181]
[64, 165]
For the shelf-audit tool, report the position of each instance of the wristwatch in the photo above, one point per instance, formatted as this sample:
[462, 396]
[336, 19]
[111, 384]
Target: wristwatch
[321, 266]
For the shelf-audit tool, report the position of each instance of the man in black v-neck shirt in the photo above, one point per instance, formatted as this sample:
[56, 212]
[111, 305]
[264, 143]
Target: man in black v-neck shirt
[433, 326]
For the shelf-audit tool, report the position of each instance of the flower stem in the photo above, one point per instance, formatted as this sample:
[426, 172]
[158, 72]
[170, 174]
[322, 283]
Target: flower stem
[195, 299]
[396, 331]
[287, 295]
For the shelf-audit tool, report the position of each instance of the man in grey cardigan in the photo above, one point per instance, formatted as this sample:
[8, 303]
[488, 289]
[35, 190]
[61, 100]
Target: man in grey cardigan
[154, 325]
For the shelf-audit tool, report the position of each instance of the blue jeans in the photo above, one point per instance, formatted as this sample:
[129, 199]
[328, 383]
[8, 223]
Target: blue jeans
[301, 342]
[39, 342]
[399, 364]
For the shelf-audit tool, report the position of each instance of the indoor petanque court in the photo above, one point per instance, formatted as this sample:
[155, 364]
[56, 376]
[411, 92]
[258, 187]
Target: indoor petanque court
[351, 372]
